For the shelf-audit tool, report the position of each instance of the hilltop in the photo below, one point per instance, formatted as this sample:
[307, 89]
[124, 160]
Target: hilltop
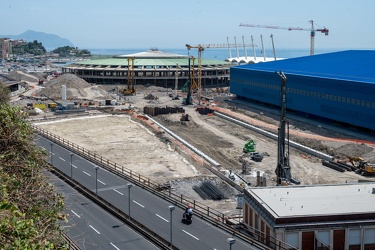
[49, 41]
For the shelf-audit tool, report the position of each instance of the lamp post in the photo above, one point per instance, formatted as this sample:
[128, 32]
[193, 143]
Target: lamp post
[51, 154]
[129, 187]
[230, 241]
[171, 208]
[96, 182]
[71, 165]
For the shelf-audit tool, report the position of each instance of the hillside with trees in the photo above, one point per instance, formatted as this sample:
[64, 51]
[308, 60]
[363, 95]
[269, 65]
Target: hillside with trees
[36, 48]
[30, 209]
[68, 51]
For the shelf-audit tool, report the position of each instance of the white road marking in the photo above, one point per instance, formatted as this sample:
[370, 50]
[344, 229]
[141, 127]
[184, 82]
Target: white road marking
[74, 166]
[162, 218]
[113, 187]
[114, 246]
[61, 159]
[86, 173]
[75, 214]
[118, 191]
[138, 204]
[94, 229]
[190, 235]
[101, 182]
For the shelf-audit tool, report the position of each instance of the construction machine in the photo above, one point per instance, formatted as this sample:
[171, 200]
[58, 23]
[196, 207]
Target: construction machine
[130, 89]
[249, 147]
[283, 171]
[61, 107]
[184, 117]
[312, 30]
[362, 167]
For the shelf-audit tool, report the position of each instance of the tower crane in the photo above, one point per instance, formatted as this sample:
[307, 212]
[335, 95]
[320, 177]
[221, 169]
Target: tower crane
[312, 31]
[201, 48]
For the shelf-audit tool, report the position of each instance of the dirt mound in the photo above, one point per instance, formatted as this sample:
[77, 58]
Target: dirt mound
[22, 75]
[354, 150]
[76, 88]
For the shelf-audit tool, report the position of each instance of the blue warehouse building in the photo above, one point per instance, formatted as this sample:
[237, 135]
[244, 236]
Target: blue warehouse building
[339, 86]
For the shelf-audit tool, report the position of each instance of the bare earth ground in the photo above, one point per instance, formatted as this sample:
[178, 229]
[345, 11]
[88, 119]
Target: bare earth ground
[135, 147]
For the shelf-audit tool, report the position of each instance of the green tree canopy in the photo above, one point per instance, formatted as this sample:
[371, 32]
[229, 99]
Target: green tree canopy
[4, 94]
[35, 48]
[68, 51]
[30, 209]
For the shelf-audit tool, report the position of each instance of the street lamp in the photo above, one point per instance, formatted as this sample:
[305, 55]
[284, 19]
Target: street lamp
[51, 154]
[230, 241]
[96, 183]
[71, 165]
[129, 186]
[171, 208]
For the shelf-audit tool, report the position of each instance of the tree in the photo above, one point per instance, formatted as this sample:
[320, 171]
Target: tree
[35, 48]
[4, 94]
[68, 51]
[30, 209]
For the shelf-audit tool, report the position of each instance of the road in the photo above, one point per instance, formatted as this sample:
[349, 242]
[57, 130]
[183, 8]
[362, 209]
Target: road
[148, 209]
[91, 227]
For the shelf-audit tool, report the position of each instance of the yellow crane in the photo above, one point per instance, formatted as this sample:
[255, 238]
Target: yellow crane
[130, 90]
[199, 85]
[201, 48]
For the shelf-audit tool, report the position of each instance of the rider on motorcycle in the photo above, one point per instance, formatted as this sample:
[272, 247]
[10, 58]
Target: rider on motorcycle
[188, 214]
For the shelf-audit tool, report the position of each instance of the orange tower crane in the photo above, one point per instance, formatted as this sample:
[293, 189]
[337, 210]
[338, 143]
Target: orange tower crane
[312, 31]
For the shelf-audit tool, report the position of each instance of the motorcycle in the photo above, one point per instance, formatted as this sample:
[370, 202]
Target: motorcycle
[187, 218]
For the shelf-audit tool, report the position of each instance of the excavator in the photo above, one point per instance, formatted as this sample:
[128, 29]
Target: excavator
[249, 147]
[362, 167]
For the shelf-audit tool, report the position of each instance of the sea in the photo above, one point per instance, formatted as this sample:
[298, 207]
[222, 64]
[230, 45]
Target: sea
[217, 53]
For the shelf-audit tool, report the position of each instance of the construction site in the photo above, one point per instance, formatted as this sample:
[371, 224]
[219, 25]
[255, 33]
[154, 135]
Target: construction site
[116, 126]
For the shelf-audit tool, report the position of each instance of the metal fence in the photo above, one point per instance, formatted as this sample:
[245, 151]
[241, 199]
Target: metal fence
[215, 217]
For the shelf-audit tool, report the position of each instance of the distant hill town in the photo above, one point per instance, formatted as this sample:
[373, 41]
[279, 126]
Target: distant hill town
[49, 41]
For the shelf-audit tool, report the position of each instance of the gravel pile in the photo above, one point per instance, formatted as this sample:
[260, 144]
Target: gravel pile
[76, 87]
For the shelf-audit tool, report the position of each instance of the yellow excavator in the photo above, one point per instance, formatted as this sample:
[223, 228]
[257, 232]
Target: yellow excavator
[362, 167]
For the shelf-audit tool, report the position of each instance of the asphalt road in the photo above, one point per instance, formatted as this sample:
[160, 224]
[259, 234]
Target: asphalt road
[91, 227]
[148, 209]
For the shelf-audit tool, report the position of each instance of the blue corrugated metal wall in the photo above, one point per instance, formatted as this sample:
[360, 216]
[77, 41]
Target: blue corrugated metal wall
[340, 100]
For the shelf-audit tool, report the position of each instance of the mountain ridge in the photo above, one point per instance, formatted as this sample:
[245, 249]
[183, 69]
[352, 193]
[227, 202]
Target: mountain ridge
[49, 41]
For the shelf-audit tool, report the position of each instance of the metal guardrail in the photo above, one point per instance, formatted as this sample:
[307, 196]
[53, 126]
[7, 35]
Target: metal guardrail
[130, 175]
[131, 222]
[71, 244]
[202, 211]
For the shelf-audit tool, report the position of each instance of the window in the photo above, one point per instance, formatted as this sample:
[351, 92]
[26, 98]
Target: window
[354, 238]
[322, 240]
[369, 238]
[292, 239]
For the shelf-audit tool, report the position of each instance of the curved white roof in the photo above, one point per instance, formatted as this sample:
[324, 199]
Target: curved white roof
[152, 54]
[251, 59]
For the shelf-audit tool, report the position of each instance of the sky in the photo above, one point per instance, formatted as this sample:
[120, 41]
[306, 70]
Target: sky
[124, 24]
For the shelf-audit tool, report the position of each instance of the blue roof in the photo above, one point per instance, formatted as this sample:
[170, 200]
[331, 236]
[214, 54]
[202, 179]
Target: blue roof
[349, 65]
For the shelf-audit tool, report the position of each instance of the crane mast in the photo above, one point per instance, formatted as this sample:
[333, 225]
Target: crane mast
[200, 49]
[312, 31]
